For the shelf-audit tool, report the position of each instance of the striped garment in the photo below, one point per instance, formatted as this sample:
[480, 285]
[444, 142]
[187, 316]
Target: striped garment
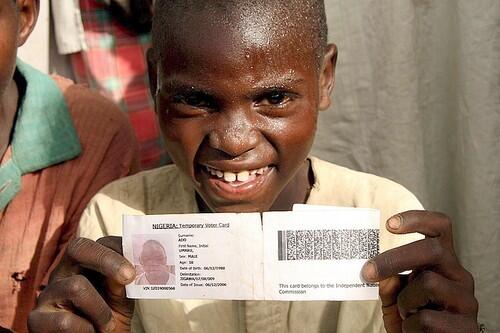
[114, 62]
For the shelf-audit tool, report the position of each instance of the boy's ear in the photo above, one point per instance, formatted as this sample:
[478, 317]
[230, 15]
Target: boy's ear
[327, 77]
[28, 14]
[153, 73]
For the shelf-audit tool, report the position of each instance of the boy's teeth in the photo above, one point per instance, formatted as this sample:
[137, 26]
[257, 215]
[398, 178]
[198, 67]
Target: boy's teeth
[261, 170]
[243, 176]
[229, 176]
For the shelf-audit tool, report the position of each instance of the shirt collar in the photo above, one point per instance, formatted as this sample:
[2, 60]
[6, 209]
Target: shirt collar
[43, 134]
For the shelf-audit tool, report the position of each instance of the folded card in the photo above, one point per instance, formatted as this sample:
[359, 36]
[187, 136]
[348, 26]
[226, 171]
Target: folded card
[299, 255]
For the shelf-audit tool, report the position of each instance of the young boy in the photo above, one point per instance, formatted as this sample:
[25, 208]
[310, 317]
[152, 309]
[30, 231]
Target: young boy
[238, 86]
[59, 144]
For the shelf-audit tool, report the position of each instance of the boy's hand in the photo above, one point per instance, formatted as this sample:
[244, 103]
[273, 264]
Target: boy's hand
[438, 296]
[86, 292]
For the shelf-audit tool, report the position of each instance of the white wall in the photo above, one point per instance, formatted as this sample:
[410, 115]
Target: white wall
[36, 50]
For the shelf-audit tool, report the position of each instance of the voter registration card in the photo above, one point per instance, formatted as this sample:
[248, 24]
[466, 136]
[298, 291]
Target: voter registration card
[304, 254]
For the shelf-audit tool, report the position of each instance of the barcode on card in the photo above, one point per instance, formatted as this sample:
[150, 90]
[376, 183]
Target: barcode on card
[328, 244]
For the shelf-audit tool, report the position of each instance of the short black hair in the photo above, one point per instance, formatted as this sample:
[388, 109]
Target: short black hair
[303, 13]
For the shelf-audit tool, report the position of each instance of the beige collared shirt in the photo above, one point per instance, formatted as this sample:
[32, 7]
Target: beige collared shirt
[164, 190]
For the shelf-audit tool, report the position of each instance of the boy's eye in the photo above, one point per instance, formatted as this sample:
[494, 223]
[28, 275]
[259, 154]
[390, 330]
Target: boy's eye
[195, 99]
[274, 98]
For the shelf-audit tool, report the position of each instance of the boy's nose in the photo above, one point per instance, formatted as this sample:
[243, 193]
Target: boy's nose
[235, 136]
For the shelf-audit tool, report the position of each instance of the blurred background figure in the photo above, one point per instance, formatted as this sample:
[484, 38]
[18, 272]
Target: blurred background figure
[106, 41]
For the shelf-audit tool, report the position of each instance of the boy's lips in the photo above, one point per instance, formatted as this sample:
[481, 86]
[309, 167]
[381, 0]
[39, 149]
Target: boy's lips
[235, 185]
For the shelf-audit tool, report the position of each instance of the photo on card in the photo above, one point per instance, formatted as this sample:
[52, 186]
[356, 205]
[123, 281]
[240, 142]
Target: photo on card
[154, 259]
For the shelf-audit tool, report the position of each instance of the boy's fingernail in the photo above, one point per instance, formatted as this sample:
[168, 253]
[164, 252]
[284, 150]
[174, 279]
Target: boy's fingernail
[369, 271]
[127, 273]
[394, 222]
[110, 327]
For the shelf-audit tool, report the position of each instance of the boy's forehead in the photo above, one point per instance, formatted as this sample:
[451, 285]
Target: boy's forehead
[252, 23]
[237, 53]
[258, 28]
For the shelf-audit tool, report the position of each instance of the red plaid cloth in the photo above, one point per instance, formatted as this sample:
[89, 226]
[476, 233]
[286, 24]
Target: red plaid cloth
[115, 64]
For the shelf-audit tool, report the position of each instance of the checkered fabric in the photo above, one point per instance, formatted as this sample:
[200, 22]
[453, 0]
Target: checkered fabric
[115, 64]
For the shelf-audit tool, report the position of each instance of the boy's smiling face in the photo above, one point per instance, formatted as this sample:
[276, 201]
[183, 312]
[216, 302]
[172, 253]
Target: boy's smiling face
[237, 104]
